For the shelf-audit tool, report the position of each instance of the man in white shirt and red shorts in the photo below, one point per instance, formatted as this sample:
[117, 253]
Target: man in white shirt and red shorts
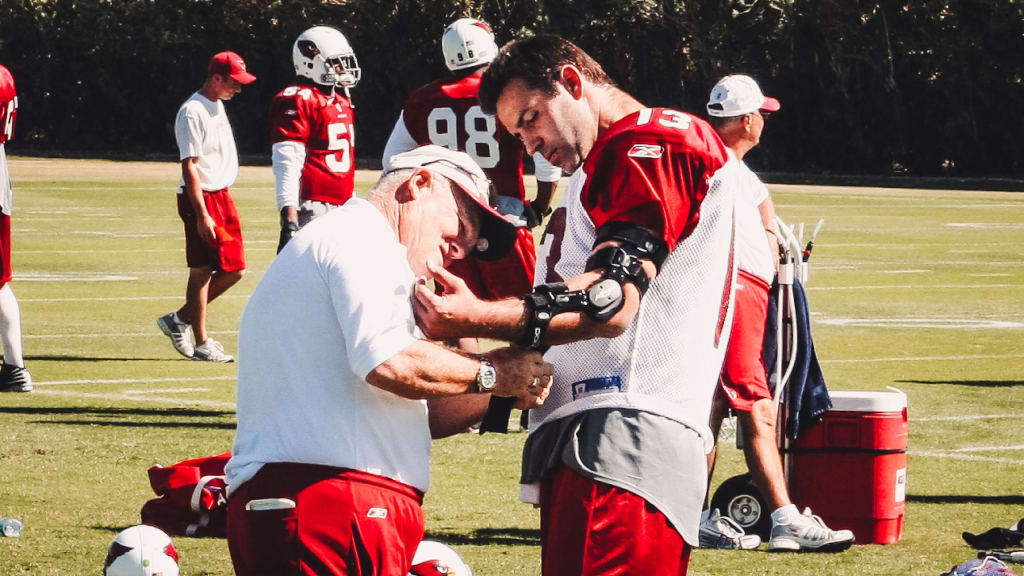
[213, 234]
[738, 110]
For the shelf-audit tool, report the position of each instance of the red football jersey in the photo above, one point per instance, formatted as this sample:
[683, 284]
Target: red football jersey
[447, 113]
[652, 168]
[324, 125]
[8, 105]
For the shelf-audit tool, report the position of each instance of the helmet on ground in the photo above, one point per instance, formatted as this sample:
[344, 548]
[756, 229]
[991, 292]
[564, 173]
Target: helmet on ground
[141, 551]
[436, 559]
[467, 43]
[323, 55]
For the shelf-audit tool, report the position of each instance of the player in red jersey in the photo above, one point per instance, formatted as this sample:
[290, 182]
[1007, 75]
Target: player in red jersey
[312, 132]
[13, 376]
[446, 112]
[634, 296]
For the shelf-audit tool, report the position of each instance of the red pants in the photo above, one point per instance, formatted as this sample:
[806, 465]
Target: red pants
[743, 379]
[228, 254]
[345, 523]
[594, 529]
[505, 278]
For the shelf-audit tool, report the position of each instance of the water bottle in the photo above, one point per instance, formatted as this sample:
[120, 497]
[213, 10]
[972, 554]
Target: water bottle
[10, 527]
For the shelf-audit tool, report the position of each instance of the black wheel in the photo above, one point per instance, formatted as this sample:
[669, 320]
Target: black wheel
[740, 500]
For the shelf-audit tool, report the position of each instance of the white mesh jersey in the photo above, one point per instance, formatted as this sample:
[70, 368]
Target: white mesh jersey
[668, 172]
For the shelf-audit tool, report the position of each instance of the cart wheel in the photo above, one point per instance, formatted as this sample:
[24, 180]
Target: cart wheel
[740, 500]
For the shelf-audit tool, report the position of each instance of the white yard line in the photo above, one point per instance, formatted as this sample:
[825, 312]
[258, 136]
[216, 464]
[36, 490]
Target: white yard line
[184, 379]
[924, 358]
[165, 391]
[970, 457]
[155, 334]
[911, 287]
[985, 448]
[967, 418]
[151, 399]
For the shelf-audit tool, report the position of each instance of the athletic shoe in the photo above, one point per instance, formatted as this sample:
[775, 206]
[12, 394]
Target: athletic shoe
[15, 379]
[211, 351]
[808, 533]
[724, 533]
[180, 334]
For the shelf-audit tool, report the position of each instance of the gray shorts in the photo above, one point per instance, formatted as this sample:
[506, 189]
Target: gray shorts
[310, 210]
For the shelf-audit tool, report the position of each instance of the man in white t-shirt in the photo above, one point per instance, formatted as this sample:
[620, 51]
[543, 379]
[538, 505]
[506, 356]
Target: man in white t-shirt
[213, 234]
[339, 394]
[737, 110]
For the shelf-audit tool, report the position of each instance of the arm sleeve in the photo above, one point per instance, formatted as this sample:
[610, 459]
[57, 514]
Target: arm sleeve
[288, 158]
[399, 141]
[543, 169]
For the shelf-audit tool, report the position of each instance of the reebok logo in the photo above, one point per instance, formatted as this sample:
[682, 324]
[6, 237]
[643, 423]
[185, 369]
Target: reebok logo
[645, 151]
[377, 513]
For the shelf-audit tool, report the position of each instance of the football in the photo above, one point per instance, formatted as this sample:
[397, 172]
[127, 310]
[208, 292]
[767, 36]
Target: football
[141, 551]
[436, 559]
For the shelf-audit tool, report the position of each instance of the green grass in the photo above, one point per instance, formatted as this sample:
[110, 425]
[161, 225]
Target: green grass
[99, 256]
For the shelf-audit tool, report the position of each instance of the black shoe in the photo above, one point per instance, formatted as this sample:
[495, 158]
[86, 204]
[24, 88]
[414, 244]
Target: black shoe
[15, 379]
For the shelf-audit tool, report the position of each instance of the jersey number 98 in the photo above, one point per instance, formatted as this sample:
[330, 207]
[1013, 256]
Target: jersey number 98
[443, 130]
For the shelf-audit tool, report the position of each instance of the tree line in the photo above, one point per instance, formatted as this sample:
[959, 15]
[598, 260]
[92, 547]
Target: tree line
[915, 87]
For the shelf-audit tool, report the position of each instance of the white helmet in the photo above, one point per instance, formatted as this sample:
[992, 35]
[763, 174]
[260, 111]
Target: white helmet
[141, 551]
[323, 55]
[436, 559]
[466, 43]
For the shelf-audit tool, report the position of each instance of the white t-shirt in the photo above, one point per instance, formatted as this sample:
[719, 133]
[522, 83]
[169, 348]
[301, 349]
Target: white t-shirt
[753, 255]
[332, 306]
[203, 131]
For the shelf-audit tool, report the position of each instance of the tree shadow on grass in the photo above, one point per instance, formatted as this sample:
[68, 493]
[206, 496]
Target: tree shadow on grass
[977, 383]
[64, 358]
[1009, 499]
[115, 412]
[488, 537]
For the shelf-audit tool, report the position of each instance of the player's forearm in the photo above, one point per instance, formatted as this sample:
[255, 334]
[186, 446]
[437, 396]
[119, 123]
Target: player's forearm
[545, 191]
[193, 190]
[424, 371]
[289, 214]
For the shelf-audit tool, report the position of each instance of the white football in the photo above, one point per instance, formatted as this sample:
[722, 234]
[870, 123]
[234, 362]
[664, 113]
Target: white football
[141, 551]
[436, 559]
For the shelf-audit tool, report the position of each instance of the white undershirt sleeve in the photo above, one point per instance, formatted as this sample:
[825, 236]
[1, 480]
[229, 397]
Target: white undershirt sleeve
[399, 141]
[543, 169]
[288, 157]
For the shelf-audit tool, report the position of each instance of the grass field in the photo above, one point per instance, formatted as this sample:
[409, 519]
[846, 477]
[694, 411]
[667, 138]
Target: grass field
[921, 290]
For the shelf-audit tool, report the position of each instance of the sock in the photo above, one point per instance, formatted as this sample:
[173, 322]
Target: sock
[704, 515]
[785, 515]
[10, 327]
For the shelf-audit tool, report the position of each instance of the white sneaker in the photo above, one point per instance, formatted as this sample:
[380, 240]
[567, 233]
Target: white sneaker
[211, 351]
[808, 533]
[180, 334]
[724, 533]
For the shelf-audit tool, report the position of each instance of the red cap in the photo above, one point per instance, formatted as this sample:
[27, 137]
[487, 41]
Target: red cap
[231, 65]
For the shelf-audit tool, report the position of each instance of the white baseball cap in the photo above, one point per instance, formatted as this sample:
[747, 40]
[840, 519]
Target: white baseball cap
[497, 235]
[736, 95]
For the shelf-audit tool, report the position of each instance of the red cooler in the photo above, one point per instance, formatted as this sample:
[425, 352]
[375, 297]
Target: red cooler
[851, 468]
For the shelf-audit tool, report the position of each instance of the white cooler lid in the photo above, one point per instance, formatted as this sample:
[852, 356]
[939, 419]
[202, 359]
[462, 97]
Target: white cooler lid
[858, 401]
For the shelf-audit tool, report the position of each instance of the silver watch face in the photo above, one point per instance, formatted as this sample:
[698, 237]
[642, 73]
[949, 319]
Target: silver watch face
[486, 378]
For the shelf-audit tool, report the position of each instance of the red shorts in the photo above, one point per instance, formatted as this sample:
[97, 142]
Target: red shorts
[229, 253]
[510, 276]
[344, 523]
[588, 527]
[5, 249]
[743, 378]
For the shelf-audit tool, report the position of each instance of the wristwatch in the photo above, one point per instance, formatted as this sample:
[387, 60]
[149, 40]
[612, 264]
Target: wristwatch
[486, 377]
